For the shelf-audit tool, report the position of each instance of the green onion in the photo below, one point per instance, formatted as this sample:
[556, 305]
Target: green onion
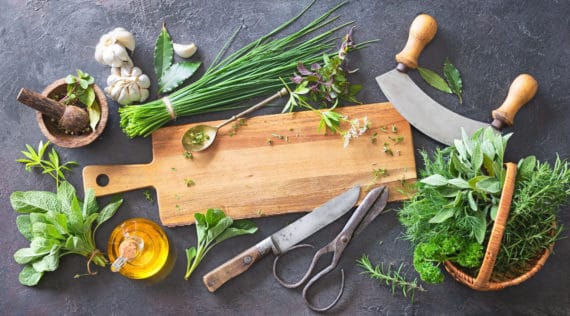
[252, 71]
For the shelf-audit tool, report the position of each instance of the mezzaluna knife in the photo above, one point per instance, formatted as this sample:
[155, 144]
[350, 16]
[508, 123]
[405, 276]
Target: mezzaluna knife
[284, 239]
[430, 117]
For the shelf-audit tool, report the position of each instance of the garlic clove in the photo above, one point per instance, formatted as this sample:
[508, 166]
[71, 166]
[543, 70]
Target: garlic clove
[126, 70]
[136, 71]
[144, 81]
[144, 94]
[99, 54]
[116, 71]
[120, 52]
[185, 51]
[108, 57]
[124, 37]
[124, 97]
[112, 79]
[134, 92]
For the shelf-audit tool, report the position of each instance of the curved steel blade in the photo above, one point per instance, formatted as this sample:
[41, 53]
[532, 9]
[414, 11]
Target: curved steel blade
[428, 116]
[311, 223]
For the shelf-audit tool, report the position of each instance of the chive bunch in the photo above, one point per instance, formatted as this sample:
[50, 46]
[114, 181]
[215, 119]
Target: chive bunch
[250, 72]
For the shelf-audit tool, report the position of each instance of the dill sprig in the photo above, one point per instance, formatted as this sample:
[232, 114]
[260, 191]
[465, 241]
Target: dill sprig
[394, 278]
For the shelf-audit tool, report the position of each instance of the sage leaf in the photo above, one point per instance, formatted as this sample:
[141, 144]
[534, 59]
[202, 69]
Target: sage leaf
[90, 204]
[66, 195]
[47, 263]
[34, 201]
[26, 255]
[46, 230]
[43, 245]
[29, 276]
[162, 53]
[434, 80]
[109, 210]
[476, 158]
[24, 226]
[442, 216]
[453, 78]
[458, 182]
[471, 200]
[494, 210]
[176, 75]
[480, 227]
[435, 180]
[490, 185]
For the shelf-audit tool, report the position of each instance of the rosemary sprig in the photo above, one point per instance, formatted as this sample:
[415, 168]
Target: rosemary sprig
[394, 278]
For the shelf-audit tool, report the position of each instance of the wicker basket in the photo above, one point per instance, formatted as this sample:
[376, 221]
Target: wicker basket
[486, 280]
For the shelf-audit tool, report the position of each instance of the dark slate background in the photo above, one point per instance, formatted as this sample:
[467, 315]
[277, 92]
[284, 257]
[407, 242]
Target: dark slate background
[491, 42]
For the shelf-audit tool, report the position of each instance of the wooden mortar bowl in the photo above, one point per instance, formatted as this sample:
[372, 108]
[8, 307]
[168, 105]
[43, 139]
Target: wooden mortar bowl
[56, 135]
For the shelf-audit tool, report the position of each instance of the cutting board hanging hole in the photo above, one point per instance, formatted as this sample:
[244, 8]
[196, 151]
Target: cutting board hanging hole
[102, 180]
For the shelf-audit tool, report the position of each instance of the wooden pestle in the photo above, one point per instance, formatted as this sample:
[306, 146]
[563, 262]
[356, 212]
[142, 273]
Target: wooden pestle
[70, 117]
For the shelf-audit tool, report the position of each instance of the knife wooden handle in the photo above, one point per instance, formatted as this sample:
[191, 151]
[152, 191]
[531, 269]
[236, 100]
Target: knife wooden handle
[422, 31]
[522, 89]
[236, 266]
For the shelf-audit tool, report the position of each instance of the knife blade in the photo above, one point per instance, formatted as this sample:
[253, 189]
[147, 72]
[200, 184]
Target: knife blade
[283, 239]
[430, 117]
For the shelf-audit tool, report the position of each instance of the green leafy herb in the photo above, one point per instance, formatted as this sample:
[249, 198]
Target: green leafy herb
[53, 167]
[452, 82]
[57, 224]
[394, 278]
[374, 137]
[80, 88]
[189, 182]
[398, 139]
[453, 78]
[252, 71]
[452, 212]
[147, 196]
[170, 75]
[211, 229]
[325, 85]
[388, 150]
[434, 80]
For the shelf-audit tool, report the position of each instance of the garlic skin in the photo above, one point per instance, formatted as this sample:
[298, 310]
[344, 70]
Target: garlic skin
[185, 50]
[111, 49]
[127, 85]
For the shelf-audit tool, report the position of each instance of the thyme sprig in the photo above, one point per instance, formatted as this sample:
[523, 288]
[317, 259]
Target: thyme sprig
[394, 278]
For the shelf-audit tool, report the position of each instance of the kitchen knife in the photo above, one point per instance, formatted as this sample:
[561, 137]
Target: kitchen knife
[283, 239]
[430, 117]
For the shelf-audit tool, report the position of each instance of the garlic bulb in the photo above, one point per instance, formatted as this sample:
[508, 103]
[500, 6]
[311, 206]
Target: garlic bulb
[185, 51]
[127, 85]
[111, 49]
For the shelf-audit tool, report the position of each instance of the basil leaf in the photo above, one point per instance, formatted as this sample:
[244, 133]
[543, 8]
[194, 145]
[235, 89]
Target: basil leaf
[222, 225]
[201, 226]
[434, 80]
[26, 255]
[453, 78]
[213, 216]
[238, 228]
[190, 254]
[109, 210]
[435, 180]
[442, 216]
[176, 74]
[24, 226]
[162, 53]
[29, 276]
[34, 201]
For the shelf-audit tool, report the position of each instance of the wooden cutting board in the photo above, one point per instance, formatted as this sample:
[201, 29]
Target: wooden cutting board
[248, 176]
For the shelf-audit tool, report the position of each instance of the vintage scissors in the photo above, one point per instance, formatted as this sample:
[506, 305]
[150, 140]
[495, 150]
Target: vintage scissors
[372, 205]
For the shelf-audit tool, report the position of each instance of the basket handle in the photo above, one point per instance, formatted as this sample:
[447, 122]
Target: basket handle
[496, 237]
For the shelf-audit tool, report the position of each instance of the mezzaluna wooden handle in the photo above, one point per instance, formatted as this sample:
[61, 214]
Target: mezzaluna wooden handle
[522, 90]
[422, 31]
[237, 265]
[111, 179]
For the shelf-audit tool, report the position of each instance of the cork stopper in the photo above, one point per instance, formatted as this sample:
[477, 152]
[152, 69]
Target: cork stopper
[129, 249]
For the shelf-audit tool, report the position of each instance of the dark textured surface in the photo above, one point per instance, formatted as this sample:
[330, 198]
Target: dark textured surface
[490, 42]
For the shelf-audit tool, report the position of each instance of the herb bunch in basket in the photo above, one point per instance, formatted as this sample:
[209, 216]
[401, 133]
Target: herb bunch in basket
[451, 216]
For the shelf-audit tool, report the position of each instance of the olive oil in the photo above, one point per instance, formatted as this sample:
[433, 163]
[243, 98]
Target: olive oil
[138, 248]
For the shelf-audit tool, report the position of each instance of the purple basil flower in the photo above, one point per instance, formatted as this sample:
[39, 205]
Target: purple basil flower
[302, 70]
